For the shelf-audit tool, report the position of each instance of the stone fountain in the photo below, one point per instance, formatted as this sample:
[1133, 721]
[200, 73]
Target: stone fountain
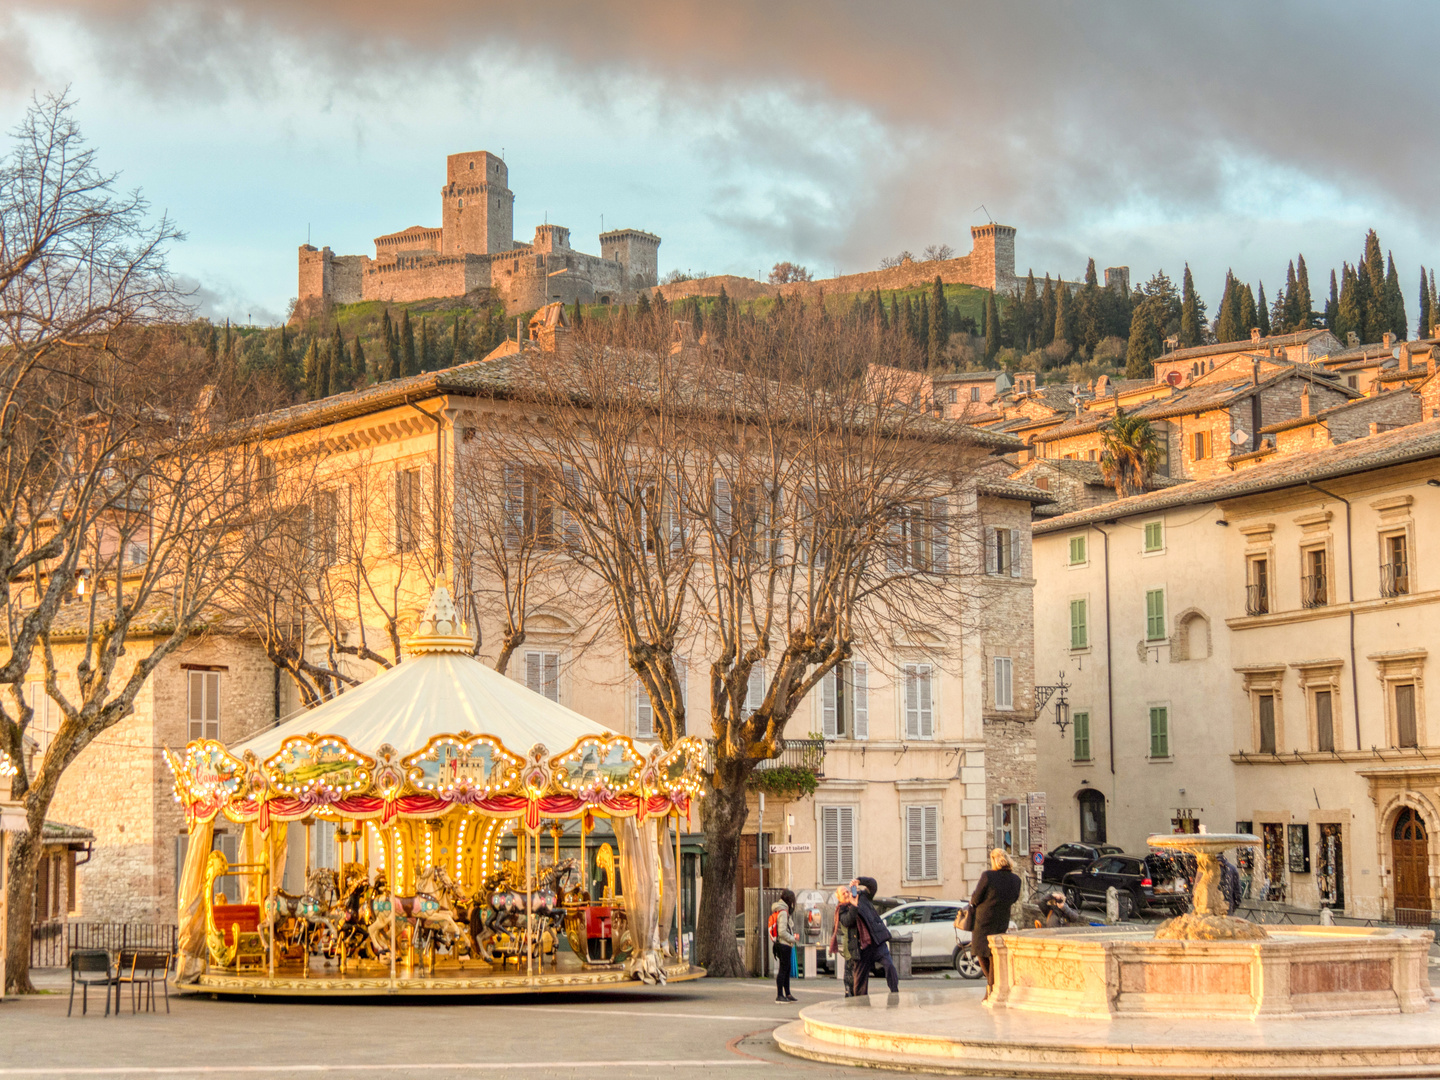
[1203, 995]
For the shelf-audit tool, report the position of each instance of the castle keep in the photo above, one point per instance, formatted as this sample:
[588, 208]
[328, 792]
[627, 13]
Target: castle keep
[474, 248]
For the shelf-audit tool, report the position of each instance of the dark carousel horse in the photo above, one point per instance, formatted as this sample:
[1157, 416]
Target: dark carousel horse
[506, 912]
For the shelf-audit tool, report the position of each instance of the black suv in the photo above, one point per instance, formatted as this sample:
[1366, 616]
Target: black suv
[1144, 882]
[1069, 857]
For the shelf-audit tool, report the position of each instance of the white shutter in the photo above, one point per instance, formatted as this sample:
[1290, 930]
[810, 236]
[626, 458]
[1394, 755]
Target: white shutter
[212, 705]
[846, 845]
[552, 676]
[755, 689]
[1014, 552]
[1004, 690]
[860, 699]
[570, 521]
[939, 536]
[999, 826]
[912, 702]
[914, 843]
[931, 839]
[514, 504]
[828, 725]
[644, 713]
[895, 546]
[992, 551]
[830, 844]
[196, 710]
[532, 671]
[1022, 830]
[673, 520]
[924, 712]
[724, 512]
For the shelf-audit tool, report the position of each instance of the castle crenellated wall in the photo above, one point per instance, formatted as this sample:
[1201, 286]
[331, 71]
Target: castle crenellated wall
[423, 278]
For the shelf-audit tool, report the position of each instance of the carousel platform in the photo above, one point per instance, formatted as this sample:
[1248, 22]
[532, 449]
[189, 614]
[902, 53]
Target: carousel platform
[373, 980]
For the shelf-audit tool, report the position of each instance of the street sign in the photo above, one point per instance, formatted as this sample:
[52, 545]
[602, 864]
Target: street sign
[789, 849]
[1039, 858]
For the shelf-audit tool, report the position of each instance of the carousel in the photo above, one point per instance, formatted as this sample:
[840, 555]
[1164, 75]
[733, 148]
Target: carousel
[439, 792]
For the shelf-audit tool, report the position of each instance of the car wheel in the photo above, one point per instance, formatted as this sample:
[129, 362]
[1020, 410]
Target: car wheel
[966, 966]
[1127, 906]
[1073, 898]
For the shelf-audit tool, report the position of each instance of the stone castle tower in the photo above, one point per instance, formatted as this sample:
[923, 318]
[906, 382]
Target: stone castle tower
[477, 215]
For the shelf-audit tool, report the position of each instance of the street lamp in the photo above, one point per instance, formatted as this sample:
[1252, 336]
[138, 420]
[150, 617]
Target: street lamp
[1062, 704]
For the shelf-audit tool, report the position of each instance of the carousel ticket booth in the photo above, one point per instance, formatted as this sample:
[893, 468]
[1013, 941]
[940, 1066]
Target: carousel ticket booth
[443, 790]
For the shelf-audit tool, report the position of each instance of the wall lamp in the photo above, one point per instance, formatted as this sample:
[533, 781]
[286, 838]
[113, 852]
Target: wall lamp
[1433, 483]
[1222, 521]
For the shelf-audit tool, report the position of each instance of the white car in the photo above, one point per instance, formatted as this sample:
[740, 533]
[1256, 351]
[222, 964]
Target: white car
[935, 939]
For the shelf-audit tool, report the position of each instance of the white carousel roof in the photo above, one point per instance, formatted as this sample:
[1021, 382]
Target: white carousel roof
[440, 689]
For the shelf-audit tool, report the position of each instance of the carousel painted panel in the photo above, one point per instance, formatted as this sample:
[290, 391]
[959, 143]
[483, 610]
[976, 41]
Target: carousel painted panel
[327, 763]
[599, 765]
[475, 764]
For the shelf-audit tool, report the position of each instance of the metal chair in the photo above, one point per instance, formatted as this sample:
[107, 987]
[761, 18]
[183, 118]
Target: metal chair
[91, 967]
[142, 970]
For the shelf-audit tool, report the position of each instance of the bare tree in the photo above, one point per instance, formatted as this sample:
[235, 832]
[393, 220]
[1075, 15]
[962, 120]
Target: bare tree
[935, 252]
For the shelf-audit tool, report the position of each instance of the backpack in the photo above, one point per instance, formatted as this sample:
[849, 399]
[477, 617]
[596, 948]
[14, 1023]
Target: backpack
[774, 926]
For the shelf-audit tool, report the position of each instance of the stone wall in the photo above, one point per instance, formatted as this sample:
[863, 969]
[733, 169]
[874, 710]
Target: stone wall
[425, 277]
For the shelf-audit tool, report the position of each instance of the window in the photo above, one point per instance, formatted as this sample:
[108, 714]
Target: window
[45, 716]
[837, 844]
[845, 702]
[204, 704]
[1395, 567]
[974, 393]
[1324, 720]
[407, 510]
[326, 523]
[542, 674]
[1092, 816]
[1353, 381]
[1162, 443]
[1080, 721]
[1257, 590]
[1002, 552]
[532, 509]
[1199, 445]
[1314, 582]
[1154, 536]
[1406, 730]
[920, 538]
[1267, 723]
[1079, 551]
[952, 396]
[755, 689]
[1079, 625]
[922, 843]
[1159, 731]
[1012, 828]
[1004, 683]
[919, 702]
[1155, 615]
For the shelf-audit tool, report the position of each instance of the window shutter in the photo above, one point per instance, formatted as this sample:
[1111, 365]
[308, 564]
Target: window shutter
[931, 826]
[196, 703]
[1022, 832]
[992, 550]
[1014, 552]
[912, 702]
[1079, 632]
[724, 514]
[828, 726]
[860, 699]
[755, 689]
[552, 676]
[999, 839]
[1004, 690]
[532, 672]
[846, 845]
[644, 713]
[212, 705]
[1155, 614]
[939, 536]
[830, 844]
[895, 548]
[569, 520]
[514, 504]
[914, 843]
[925, 713]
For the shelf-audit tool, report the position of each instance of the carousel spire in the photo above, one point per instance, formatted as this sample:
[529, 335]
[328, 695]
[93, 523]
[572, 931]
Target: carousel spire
[440, 629]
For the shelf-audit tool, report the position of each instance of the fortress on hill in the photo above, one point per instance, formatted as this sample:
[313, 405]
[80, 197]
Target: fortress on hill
[474, 248]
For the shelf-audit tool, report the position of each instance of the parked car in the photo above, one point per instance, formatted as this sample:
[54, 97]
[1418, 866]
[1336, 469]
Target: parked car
[1068, 857]
[935, 939]
[1143, 882]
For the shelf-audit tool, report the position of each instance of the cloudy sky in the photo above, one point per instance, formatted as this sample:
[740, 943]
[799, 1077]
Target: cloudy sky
[830, 133]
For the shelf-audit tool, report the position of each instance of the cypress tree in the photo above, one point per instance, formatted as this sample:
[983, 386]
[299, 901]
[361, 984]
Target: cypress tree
[922, 333]
[1349, 313]
[409, 364]
[1332, 308]
[1365, 300]
[720, 315]
[359, 370]
[387, 365]
[1434, 303]
[212, 349]
[427, 347]
[1192, 312]
[228, 352]
[577, 317]
[1425, 325]
[311, 367]
[1089, 317]
[1304, 304]
[1045, 331]
[882, 323]
[940, 310]
[907, 317]
[1064, 329]
[895, 324]
[1028, 315]
[1262, 314]
[1144, 344]
[1248, 318]
[339, 365]
[1394, 301]
[1228, 323]
[458, 354]
[992, 326]
[283, 359]
[697, 317]
[1291, 303]
[642, 306]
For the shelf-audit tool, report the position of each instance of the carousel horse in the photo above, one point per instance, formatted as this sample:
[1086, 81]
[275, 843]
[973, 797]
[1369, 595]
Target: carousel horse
[349, 915]
[302, 918]
[428, 910]
[554, 886]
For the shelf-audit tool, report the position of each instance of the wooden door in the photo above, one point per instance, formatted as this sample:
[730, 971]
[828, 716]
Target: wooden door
[1410, 853]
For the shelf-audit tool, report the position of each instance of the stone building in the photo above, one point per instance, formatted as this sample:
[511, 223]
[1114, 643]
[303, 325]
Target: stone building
[474, 248]
[1249, 651]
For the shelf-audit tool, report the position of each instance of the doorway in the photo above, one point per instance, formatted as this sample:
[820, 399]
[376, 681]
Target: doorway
[1092, 816]
[1410, 854]
[1331, 877]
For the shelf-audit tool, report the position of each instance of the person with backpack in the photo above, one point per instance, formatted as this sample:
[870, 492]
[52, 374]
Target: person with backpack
[782, 942]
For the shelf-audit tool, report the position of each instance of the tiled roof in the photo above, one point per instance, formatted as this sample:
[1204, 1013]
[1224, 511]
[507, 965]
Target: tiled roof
[966, 376]
[1244, 345]
[1302, 421]
[1415, 442]
[1013, 489]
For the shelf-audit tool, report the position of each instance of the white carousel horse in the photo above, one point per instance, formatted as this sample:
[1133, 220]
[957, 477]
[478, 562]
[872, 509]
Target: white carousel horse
[306, 912]
[430, 907]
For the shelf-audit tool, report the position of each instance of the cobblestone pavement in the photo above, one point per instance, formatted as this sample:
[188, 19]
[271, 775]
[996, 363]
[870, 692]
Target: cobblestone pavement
[719, 1026]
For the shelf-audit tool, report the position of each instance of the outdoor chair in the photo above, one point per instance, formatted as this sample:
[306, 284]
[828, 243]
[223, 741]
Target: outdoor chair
[91, 967]
[142, 970]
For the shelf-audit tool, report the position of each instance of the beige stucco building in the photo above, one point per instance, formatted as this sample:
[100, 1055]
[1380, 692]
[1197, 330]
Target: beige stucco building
[1250, 651]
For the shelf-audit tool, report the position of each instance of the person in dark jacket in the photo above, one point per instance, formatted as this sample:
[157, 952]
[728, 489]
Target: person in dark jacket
[995, 895]
[783, 943]
[872, 936]
[845, 939]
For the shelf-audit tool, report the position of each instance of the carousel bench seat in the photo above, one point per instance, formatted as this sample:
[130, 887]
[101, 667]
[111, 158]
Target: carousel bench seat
[239, 925]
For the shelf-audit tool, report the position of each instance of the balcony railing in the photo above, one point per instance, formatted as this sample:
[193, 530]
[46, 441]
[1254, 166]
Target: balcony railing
[798, 754]
[1394, 579]
[1257, 600]
[1314, 590]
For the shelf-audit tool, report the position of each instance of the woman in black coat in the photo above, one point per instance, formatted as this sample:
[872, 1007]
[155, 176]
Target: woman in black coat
[995, 895]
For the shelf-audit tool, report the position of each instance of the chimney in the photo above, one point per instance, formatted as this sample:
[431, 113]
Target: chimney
[1389, 339]
[1254, 372]
[1435, 330]
[1305, 400]
[1374, 428]
[1254, 333]
[1404, 355]
[1352, 339]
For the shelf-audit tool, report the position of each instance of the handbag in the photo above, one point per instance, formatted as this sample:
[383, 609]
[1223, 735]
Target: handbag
[967, 920]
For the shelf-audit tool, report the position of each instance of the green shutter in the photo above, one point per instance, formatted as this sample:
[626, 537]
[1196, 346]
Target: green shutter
[1081, 720]
[1079, 631]
[1159, 731]
[1154, 535]
[1155, 615]
[1077, 550]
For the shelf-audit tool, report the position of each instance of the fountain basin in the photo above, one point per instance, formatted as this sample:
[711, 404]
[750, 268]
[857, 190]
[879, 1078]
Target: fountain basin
[1304, 972]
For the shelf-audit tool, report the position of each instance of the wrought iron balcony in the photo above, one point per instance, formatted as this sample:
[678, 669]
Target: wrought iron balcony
[1314, 590]
[1394, 579]
[1257, 600]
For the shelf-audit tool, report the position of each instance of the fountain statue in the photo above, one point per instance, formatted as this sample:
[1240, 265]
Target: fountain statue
[1209, 916]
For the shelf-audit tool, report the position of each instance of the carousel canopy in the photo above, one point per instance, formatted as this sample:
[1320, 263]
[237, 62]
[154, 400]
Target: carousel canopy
[440, 689]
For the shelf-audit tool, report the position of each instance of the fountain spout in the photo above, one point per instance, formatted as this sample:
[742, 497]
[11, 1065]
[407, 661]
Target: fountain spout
[1209, 918]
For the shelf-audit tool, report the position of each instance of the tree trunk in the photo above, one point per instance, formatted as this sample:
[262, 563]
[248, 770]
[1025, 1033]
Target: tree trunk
[722, 816]
[22, 864]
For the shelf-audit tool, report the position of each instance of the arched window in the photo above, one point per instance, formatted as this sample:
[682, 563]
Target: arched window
[1192, 636]
[1092, 815]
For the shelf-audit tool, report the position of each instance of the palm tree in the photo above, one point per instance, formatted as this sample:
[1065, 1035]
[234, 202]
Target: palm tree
[1130, 453]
